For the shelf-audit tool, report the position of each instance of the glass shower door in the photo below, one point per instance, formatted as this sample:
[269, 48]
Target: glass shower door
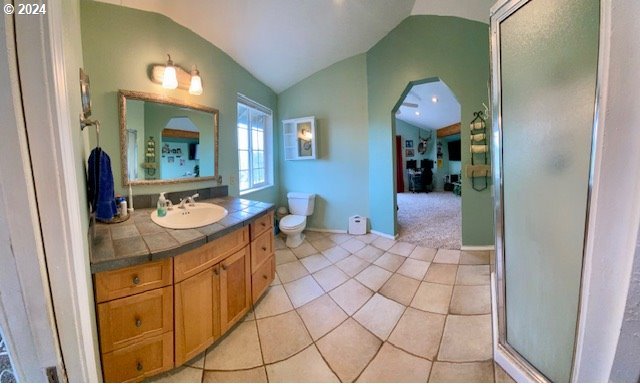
[545, 66]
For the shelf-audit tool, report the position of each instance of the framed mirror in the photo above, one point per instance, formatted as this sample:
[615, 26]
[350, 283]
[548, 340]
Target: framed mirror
[164, 140]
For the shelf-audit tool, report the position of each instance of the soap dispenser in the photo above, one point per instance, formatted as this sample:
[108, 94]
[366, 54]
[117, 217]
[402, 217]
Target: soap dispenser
[162, 205]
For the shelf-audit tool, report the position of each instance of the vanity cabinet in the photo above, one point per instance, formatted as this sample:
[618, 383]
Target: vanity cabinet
[161, 314]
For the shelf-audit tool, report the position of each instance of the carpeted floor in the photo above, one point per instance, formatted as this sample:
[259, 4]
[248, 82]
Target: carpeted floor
[430, 219]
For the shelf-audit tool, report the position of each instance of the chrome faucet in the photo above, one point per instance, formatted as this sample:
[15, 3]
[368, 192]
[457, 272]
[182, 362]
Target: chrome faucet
[189, 200]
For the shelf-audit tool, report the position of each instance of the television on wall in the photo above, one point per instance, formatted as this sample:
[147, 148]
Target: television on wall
[454, 150]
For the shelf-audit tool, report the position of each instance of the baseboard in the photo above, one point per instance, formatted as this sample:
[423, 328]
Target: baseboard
[478, 248]
[327, 230]
[385, 235]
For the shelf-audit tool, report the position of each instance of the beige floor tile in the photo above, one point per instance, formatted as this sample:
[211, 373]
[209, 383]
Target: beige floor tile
[383, 243]
[321, 316]
[368, 238]
[473, 275]
[433, 297]
[501, 375]
[330, 277]
[419, 333]
[340, 238]
[403, 249]
[353, 245]
[305, 367]
[239, 349]
[379, 315]
[400, 288]
[415, 269]
[322, 244]
[373, 277]
[335, 254]
[348, 349]
[196, 362]
[314, 235]
[466, 338]
[477, 372]
[305, 249]
[315, 262]
[350, 296]
[470, 300]
[274, 302]
[424, 254]
[279, 243]
[447, 256]
[284, 256]
[352, 265]
[255, 375]
[441, 273]
[249, 316]
[474, 257]
[282, 336]
[291, 271]
[303, 291]
[276, 280]
[181, 374]
[369, 253]
[392, 365]
[390, 262]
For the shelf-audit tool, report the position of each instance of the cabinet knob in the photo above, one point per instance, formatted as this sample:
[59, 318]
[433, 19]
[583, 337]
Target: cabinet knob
[264, 248]
[265, 277]
[139, 366]
[263, 224]
[215, 270]
[138, 323]
[136, 280]
[224, 267]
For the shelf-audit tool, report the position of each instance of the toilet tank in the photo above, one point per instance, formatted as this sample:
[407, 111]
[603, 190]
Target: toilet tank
[301, 203]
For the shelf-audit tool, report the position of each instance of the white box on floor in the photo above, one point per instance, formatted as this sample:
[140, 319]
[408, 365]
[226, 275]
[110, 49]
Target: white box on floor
[357, 225]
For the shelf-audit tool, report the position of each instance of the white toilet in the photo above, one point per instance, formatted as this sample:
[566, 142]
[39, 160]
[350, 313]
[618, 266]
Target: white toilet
[300, 206]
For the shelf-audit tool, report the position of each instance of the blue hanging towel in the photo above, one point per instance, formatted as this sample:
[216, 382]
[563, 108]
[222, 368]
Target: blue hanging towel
[100, 185]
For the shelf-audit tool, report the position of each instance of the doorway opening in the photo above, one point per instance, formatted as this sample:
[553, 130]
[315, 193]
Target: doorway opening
[428, 165]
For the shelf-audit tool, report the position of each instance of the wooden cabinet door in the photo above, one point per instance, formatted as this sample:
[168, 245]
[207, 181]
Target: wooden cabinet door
[197, 313]
[235, 288]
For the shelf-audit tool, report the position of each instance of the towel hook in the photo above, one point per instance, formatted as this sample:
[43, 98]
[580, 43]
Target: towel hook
[86, 123]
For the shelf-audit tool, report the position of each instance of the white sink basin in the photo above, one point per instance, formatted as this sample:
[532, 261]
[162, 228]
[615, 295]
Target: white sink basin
[191, 217]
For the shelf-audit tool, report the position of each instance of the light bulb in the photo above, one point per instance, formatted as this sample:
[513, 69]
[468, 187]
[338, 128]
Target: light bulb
[169, 79]
[434, 99]
[417, 113]
[195, 88]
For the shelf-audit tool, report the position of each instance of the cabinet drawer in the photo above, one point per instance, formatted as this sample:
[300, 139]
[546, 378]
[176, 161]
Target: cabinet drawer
[261, 278]
[195, 261]
[261, 225]
[144, 359]
[131, 280]
[261, 250]
[126, 321]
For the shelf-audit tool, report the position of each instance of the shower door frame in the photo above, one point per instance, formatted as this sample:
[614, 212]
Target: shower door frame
[500, 11]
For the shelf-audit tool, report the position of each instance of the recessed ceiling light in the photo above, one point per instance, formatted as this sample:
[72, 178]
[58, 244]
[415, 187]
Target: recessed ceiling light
[434, 99]
[417, 113]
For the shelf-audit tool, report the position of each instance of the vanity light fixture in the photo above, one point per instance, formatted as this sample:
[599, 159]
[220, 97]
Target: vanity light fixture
[195, 87]
[434, 99]
[169, 79]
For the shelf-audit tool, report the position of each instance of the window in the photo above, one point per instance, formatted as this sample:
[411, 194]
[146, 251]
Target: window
[254, 146]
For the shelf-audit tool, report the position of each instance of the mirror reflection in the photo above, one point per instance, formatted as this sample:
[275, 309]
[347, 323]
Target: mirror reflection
[165, 140]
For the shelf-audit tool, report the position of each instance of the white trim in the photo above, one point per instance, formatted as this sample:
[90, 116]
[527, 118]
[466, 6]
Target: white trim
[326, 230]
[478, 248]
[248, 191]
[385, 235]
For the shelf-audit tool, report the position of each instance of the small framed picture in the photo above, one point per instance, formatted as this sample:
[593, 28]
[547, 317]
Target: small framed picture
[409, 153]
[408, 143]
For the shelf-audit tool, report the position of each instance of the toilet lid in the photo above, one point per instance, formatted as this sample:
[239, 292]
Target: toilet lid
[292, 221]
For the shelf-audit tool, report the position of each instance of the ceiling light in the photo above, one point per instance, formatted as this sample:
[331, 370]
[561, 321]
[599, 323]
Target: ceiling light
[417, 113]
[195, 88]
[434, 99]
[170, 80]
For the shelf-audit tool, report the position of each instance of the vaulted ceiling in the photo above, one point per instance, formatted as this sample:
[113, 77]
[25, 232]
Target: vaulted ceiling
[282, 42]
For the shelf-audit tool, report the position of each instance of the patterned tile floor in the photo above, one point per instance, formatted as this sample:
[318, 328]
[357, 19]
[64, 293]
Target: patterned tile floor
[361, 308]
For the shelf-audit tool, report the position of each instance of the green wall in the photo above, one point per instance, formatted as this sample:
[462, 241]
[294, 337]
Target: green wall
[455, 50]
[411, 132]
[118, 46]
[337, 97]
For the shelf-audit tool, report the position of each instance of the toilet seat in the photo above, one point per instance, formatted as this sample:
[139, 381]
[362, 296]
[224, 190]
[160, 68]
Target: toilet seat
[292, 222]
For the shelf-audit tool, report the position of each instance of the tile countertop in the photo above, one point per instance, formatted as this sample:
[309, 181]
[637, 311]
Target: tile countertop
[139, 240]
